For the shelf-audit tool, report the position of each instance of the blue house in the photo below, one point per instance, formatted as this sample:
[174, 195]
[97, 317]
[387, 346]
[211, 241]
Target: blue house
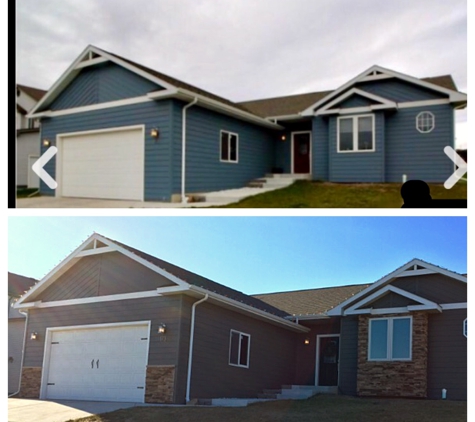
[124, 131]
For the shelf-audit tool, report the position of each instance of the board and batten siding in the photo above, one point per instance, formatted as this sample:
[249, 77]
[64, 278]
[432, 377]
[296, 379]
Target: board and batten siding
[100, 84]
[348, 355]
[447, 358]
[419, 155]
[271, 358]
[101, 275]
[358, 166]
[158, 153]
[204, 169]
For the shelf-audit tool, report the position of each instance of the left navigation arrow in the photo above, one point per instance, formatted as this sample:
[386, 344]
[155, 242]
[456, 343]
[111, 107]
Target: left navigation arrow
[41, 172]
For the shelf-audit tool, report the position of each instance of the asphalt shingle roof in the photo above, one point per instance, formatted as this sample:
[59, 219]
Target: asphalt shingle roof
[18, 284]
[35, 93]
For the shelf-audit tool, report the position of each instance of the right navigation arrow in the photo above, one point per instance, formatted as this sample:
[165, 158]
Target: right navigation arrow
[41, 172]
[460, 163]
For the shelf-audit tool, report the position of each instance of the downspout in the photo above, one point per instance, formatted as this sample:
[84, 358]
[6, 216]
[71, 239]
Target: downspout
[190, 352]
[22, 353]
[183, 148]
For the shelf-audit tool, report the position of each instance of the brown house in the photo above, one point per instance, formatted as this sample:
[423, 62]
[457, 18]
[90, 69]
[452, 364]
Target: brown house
[115, 324]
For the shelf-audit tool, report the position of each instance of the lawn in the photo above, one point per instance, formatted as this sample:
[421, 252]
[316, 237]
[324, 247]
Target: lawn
[25, 192]
[318, 409]
[305, 194]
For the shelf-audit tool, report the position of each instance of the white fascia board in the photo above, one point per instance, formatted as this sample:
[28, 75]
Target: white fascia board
[227, 109]
[361, 93]
[354, 110]
[96, 251]
[337, 310]
[451, 306]
[234, 303]
[286, 117]
[91, 62]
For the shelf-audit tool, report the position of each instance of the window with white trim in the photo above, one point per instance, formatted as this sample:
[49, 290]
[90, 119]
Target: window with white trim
[356, 134]
[390, 338]
[425, 122]
[229, 147]
[239, 348]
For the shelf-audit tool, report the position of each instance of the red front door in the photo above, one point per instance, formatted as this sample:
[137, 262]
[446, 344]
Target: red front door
[301, 152]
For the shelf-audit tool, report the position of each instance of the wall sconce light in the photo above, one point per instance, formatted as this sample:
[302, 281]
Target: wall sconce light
[46, 142]
[154, 133]
[283, 138]
[306, 341]
[34, 336]
[162, 328]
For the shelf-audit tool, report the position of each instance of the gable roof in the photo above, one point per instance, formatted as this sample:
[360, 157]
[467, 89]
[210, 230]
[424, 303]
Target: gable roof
[312, 301]
[34, 93]
[19, 284]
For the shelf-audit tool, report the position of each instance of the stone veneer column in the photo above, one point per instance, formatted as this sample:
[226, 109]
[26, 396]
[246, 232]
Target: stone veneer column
[30, 382]
[160, 383]
[394, 378]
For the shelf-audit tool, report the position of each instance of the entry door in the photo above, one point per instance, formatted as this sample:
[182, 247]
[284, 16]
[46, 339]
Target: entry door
[301, 152]
[328, 358]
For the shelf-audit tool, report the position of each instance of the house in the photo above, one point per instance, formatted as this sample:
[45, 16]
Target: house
[113, 323]
[17, 286]
[27, 136]
[124, 131]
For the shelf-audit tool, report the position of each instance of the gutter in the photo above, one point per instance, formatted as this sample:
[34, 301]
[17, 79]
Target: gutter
[22, 353]
[190, 351]
[183, 148]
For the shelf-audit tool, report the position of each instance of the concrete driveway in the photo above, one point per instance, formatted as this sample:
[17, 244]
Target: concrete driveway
[28, 410]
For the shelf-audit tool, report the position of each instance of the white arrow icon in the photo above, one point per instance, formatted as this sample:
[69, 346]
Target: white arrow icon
[41, 172]
[460, 163]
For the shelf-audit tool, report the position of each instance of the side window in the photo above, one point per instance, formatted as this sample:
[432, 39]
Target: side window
[239, 348]
[229, 147]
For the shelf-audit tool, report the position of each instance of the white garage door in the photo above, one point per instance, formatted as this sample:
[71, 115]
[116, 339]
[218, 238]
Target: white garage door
[108, 165]
[102, 364]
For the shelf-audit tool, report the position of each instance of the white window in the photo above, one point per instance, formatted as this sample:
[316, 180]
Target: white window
[390, 338]
[356, 134]
[425, 122]
[229, 147]
[239, 348]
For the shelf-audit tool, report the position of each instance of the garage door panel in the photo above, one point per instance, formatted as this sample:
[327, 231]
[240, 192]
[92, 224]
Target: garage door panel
[103, 165]
[98, 363]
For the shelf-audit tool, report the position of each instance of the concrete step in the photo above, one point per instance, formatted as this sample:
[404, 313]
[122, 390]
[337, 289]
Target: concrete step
[289, 176]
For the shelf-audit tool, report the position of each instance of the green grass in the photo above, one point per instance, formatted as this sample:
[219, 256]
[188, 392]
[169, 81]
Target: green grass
[318, 409]
[25, 192]
[305, 194]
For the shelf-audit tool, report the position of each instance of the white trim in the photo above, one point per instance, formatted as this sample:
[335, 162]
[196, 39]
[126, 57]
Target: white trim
[363, 109]
[241, 334]
[60, 137]
[317, 363]
[337, 310]
[389, 349]
[412, 273]
[91, 62]
[229, 147]
[51, 330]
[183, 148]
[451, 306]
[423, 103]
[355, 120]
[376, 77]
[292, 164]
[420, 116]
[95, 251]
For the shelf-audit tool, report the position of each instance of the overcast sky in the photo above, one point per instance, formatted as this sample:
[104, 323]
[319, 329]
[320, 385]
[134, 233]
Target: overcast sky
[249, 49]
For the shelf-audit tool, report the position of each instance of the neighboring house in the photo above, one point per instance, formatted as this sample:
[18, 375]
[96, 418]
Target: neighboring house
[28, 136]
[17, 286]
[124, 131]
[113, 323]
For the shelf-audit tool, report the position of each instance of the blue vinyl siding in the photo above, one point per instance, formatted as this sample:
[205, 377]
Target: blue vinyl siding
[419, 155]
[399, 91]
[100, 84]
[320, 134]
[157, 153]
[355, 101]
[358, 166]
[204, 170]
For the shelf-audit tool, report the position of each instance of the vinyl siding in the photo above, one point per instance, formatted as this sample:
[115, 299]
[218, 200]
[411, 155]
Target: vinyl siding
[419, 155]
[391, 300]
[100, 84]
[447, 359]
[358, 166]
[320, 148]
[100, 275]
[26, 144]
[355, 101]
[16, 330]
[157, 152]
[272, 355]
[348, 355]
[156, 310]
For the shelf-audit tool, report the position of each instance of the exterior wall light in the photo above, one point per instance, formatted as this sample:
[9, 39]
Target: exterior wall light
[306, 341]
[154, 133]
[283, 138]
[46, 142]
[34, 336]
[162, 328]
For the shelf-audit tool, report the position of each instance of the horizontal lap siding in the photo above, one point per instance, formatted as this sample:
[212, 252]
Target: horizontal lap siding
[204, 170]
[100, 84]
[158, 310]
[447, 364]
[272, 355]
[157, 152]
[320, 148]
[283, 148]
[355, 101]
[419, 155]
[348, 355]
[358, 166]
[399, 91]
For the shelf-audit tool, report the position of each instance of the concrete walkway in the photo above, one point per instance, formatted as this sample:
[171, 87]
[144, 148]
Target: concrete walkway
[28, 410]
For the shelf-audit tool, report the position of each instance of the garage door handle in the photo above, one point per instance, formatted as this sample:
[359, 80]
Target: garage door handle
[92, 364]
[97, 364]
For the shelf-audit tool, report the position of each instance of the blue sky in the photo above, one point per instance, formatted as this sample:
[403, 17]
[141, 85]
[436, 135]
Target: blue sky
[253, 254]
